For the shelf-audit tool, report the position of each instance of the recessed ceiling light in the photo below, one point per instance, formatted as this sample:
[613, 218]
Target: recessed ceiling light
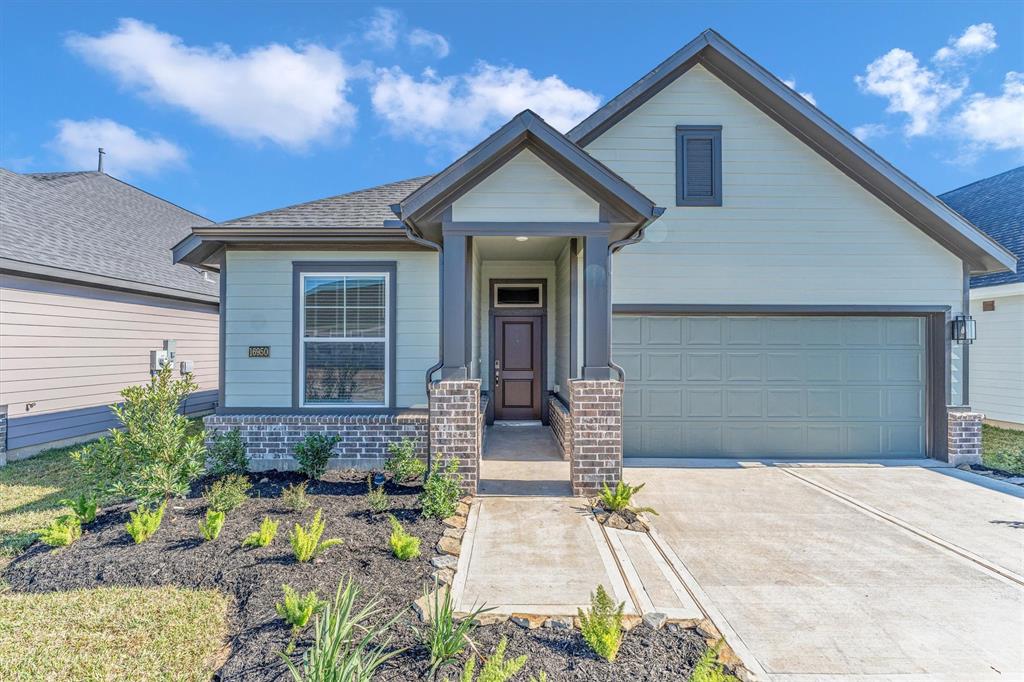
[521, 239]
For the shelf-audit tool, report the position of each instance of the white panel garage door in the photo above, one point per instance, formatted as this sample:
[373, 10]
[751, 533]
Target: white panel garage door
[781, 386]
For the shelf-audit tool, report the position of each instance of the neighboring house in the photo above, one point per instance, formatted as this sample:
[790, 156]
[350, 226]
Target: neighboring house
[996, 359]
[87, 292]
[768, 285]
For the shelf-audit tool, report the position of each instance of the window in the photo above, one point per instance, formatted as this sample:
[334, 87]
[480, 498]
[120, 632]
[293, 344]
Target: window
[345, 340]
[517, 296]
[698, 165]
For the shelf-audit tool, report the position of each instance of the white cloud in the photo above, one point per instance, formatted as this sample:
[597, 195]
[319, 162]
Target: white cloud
[791, 84]
[996, 122]
[869, 130]
[127, 152]
[435, 42]
[912, 89]
[455, 111]
[976, 39]
[274, 92]
[382, 28]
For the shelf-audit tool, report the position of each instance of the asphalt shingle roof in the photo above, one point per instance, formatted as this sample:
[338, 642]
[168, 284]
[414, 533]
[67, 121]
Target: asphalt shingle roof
[362, 208]
[90, 222]
[996, 205]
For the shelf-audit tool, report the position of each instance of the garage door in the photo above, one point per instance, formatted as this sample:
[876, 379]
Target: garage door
[782, 386]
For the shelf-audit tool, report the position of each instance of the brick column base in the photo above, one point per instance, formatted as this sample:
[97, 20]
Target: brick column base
[455, 427]
[963, 439]
[595, 410]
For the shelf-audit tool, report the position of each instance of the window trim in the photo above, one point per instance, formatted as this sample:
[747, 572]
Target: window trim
[301, 269]
[713, 133]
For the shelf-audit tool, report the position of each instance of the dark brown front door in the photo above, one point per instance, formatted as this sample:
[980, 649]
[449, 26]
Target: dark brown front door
[517, 367]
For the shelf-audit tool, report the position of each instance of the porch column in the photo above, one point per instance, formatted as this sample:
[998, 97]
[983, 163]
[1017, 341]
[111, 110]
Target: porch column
[455, 312]
[597, 308]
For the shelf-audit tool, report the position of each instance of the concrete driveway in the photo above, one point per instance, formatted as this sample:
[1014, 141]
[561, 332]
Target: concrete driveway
[850, 572]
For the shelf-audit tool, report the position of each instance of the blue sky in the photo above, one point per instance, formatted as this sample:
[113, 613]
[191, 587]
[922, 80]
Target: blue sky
[234, 108]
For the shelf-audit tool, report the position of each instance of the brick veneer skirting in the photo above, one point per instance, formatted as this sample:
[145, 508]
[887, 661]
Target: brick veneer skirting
[596, 411]
[561, 425]
[270, 439]
[963, 437]
[456, 426]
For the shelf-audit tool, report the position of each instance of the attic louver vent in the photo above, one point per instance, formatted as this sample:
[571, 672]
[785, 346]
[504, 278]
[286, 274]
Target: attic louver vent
[699, 165]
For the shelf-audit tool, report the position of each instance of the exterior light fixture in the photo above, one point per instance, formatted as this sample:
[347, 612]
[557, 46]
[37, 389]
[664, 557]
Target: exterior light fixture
[521, 239]
[964, 329]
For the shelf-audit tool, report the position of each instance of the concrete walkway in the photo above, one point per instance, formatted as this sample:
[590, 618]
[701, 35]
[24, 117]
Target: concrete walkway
[523, 460]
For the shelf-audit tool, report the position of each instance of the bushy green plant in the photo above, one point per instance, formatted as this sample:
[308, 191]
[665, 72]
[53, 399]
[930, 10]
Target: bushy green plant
[153, 457]
[306, 544]
[264, 536]
[601, 625]
[708, 669]
[227, 454]
[444, 636]
[84, 507]
[349, 645]
[313, 452]
[296, 609]
[62, 531]
[144, 521]
[294, 496]
[621, 497]
[228, 493]
[376, 496]
[403, 464]
[403, 545]
[495, 667]
[211, 525]
[441, 492]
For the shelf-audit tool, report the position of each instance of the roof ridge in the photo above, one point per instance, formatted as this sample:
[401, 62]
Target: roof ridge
[980, 180]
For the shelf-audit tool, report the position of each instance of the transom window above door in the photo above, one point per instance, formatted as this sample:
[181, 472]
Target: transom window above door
[518, 295]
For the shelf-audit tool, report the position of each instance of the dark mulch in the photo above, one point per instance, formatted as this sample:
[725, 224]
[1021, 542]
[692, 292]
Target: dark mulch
[176, 555]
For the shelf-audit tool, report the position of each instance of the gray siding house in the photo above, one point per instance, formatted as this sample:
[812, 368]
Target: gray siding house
[87, 292]
[707, 266]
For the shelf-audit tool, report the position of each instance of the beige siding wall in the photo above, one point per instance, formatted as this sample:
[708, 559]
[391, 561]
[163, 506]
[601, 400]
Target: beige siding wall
[792, 228]
[525, 189]
[65, 347]
[259, 313]
[997, 357]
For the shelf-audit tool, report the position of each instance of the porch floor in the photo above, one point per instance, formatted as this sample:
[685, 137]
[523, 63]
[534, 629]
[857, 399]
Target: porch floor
[522, 460]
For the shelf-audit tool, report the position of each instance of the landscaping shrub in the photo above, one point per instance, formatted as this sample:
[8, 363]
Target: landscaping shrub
[621, 497]
[313, 452]
[211, 525]
[495, 668]
[153, 457]
[228, 493]
[144, 522]
[294, 496]
[403, 464]
[306, 544]
[442, 491]
[227, 454]
[262, 537]
[84, 507]
[601, 626]
[708, 669]
[403, 545]
[349, 645]
[445, 637]
[297, 610]
[62, 531]
[376, 497]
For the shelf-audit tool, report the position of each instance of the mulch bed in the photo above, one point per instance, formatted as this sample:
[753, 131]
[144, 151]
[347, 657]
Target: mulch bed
[176, 555]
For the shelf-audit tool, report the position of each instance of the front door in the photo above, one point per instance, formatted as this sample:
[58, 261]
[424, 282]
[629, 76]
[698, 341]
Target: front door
[517, 367]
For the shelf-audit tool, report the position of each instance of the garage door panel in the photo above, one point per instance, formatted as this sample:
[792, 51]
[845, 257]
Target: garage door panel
[863, 331]
[824, 403]
[744, 367]
[742, 331]
[743, 403]
[901, 331]
[703, 402]
[665, 331]
[703, 331]
[785, 402]
[863, 367]
[822, 332]
[663, 402]
[905, 439]
[632, 402]
[904, 366]
[703, 366]
[664, 366]
[627, 330]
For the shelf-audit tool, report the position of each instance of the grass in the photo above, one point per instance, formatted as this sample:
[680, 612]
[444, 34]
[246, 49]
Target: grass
[1003, 449]
[162, 633]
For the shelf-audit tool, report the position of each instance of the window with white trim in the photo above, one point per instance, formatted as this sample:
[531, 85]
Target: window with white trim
[344, 339]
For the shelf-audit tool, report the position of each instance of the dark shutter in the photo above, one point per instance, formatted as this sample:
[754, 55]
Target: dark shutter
[700, 167]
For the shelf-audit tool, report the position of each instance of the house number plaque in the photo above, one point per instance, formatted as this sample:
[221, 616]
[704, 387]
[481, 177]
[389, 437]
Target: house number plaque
[259, 351]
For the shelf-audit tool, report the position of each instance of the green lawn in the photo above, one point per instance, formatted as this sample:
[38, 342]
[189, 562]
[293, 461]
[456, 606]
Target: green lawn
[1003, 449]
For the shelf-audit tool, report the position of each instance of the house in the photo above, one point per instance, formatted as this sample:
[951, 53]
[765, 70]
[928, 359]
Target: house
[88, 293]
[996, 205]
[764, 284]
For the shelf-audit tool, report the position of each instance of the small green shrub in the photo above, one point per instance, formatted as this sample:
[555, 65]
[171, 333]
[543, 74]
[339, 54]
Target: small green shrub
[445, 637]
[601, 626]
[403, 545]
[211, 525]
[227, 454]
[296, 610]
[84, 507]
[228, 493]
[306, 544]
[621, 497]
[144, 521]
[294, 496]
[264, 536]
[376, 497]
[403, 464]
[62, 531]
[441, 492]
[313, 452]
[495, 667]
[708, 669]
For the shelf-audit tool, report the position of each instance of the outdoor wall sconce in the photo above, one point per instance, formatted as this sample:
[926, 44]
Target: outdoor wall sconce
[964, 329]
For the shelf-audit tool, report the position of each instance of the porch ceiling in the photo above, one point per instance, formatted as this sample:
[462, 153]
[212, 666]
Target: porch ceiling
[507, 248]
